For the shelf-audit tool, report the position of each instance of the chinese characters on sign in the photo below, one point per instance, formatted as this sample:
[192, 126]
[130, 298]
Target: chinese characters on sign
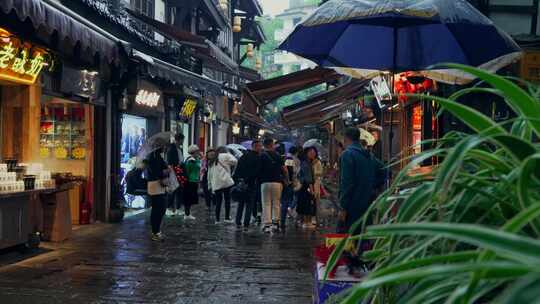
[20, 62]
[188, 108]
[147, 98]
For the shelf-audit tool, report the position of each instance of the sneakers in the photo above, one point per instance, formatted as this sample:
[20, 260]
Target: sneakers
[158, 237]
[267, 229]
[189, 218]
[169, 212]
[228, 221]
[180, 213]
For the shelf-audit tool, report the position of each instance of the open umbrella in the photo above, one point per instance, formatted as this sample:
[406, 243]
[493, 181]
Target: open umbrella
[364, 37]
[153, 143]
[236, 150]
[247, 144]
[367, 137]
[315, 143]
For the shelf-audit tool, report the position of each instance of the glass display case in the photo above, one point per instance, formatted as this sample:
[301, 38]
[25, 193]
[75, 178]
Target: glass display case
[63, 132]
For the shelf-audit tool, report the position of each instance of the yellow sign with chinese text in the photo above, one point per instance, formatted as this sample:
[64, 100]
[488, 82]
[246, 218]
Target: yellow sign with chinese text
[20, 62]
[188, 108]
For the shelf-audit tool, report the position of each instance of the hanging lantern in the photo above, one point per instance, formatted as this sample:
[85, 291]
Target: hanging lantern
[249, 51]
[224, 4]
[237, 24]
[258, 63]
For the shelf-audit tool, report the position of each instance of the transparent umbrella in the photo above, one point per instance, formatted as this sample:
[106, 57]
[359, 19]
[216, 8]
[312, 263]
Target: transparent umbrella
[316, 143]
[160, 140]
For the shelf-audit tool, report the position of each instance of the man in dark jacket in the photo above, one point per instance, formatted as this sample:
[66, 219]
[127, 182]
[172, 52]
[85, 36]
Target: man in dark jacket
[359, 177]
[248, 169]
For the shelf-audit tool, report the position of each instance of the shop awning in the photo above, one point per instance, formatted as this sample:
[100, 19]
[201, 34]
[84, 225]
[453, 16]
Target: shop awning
[249, 74]
[254, 120]
[53, 16]
[314, 109]
[266, 91]
[157, 68]
[212, 56]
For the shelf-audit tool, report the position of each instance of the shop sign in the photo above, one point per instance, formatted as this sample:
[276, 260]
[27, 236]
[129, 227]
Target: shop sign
[20, 62]
[84, 83]
[381, 90]
[147, 98]
[188, 108]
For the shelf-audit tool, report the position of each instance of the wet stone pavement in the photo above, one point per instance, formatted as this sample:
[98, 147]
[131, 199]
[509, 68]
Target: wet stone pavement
[198, 263]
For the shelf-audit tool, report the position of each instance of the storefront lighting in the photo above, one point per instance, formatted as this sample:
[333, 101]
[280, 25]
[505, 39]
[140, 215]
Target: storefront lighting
[236, 129]
[237, 24]
[147, 98]
[18, 63]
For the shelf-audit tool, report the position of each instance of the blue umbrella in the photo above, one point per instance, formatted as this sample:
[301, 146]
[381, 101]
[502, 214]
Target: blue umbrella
[363, 37]
[246, 144]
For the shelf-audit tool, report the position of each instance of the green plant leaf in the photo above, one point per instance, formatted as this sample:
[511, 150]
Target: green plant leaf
[514, 247]
[525, 290]
[519, 100]
[498, 269]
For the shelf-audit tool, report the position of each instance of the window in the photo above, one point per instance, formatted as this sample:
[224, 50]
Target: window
[145, 7]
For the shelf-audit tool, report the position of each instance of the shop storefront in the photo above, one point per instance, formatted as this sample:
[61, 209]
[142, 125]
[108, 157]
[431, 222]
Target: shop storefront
[47, 138]
[142, 117]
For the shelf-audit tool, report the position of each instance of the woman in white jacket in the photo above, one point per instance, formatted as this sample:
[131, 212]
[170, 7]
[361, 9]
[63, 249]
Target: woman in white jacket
[220, 181]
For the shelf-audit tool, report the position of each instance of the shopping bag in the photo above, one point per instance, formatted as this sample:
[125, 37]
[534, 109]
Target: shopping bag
[172, 182]
[156, 188]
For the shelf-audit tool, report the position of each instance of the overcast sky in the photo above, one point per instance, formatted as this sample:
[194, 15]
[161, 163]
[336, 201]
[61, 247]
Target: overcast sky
[273, 7]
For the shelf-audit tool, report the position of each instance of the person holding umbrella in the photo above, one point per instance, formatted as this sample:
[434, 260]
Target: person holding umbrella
[157, 172]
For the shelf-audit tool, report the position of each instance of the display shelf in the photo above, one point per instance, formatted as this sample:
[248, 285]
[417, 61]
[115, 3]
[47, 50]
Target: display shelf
[68, 133]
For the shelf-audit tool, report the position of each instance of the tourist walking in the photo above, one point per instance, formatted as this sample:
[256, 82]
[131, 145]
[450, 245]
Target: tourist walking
[306, 207]
[175, 159]
[288, 200]
[248, 171]
[313, 156]
[208, 197]
[220, 181]
[273, 175]
[157, 173]
[360, 175]
[192, 167]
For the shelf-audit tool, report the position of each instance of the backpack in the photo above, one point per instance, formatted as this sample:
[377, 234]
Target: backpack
[135, 183]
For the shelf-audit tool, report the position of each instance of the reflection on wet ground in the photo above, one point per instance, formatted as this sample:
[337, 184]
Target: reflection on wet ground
[198, 263]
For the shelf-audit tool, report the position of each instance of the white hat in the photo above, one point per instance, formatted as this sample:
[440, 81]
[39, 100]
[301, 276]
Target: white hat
[193, 148]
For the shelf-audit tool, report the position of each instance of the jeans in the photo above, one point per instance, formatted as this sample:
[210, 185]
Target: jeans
[247, 204]
[287, 201]
[271, 201]
[219, 195]
[159, 206]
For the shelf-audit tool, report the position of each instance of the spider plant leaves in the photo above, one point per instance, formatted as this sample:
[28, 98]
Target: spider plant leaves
[525, 290]
[518, 99]
[497, 269]
[512, 246]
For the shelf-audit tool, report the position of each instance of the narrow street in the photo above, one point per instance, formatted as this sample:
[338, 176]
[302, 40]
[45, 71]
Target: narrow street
[198, 263]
